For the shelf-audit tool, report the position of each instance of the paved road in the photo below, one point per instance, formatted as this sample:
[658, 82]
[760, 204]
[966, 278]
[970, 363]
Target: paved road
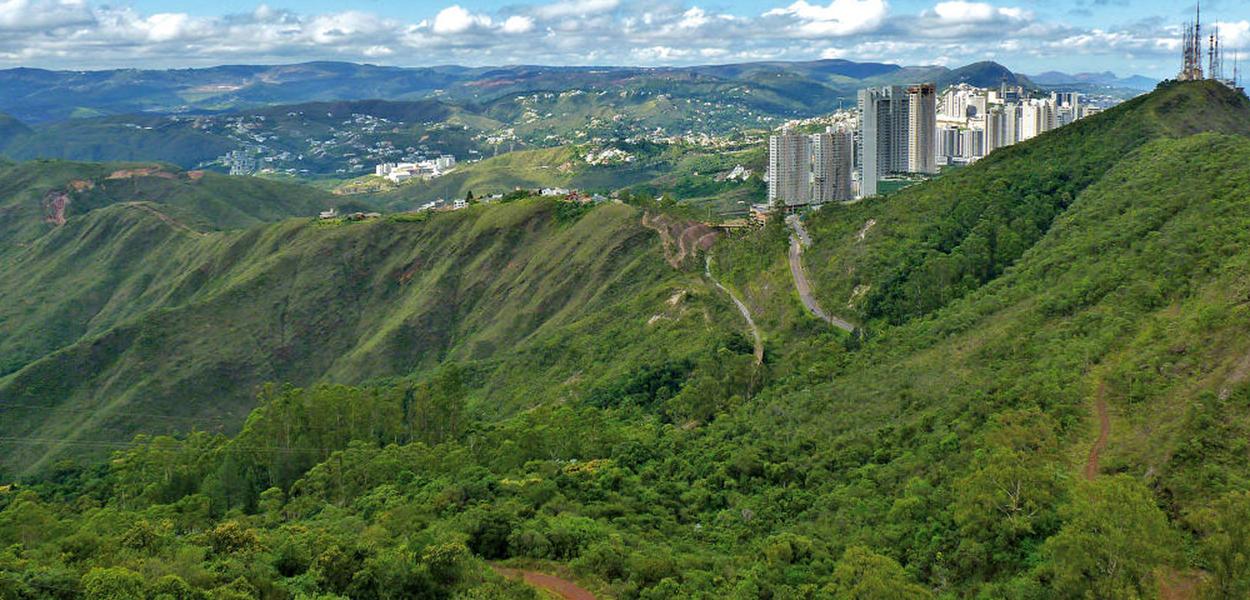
[798, 241]
[742, 308]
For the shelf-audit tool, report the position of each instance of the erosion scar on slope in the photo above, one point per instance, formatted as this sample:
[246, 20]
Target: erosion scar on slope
[560, 587]
[1104, 430]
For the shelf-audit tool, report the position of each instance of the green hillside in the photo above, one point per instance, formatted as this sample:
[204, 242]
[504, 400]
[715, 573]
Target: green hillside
[931, 244]
[156, 318]
[536, 387]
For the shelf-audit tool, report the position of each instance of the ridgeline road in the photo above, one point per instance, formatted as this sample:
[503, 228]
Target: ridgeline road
[742, 308]
[797, 242]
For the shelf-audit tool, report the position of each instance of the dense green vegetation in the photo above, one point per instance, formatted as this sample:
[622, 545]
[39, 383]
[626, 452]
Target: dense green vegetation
[627, 439]
[151, 316]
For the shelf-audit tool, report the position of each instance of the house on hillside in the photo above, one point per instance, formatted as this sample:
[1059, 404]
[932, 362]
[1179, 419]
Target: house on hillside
[328, 214]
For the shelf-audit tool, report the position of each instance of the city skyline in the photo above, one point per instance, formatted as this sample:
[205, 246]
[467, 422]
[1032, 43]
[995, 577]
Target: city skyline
[1026, 35]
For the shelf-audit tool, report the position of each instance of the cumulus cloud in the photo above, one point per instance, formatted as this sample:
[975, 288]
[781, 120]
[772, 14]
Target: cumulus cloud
[454, 19]
[839, 18]
[30, 15]
[976, 12]
[1234, 35]
[518, 24]
[106, 33]
[575, 8]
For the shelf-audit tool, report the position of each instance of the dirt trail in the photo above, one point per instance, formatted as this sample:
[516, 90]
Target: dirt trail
[1104, 430]
[168, 220]
[742, 308]
[797, 241]
[560, 587]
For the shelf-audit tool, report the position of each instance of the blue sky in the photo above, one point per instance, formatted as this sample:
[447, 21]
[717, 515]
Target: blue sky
[1124, 36]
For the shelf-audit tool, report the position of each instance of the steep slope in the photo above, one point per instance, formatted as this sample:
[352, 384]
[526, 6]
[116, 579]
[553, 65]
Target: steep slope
[1135, 296]
[200, 321]
[1132, 295]
[937, 242]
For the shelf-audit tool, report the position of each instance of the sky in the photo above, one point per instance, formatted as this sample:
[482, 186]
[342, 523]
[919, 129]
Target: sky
[1030, 36]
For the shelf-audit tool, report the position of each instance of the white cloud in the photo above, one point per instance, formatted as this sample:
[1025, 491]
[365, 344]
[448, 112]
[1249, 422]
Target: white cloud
[839, 18]
[1234, 35]
[959, 12]
[694, 18]
[163, 27]
[575, 8]
[455, 19]
[27, 15]
[110, 33]
[518, 24]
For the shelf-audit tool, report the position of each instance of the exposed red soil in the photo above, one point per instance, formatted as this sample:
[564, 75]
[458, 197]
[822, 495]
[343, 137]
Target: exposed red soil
[195, 175]
[141, 172]
[1177, 585]
[79, 185]
[560, 587]
[54, 204]
[1104, 430]
[681, 238]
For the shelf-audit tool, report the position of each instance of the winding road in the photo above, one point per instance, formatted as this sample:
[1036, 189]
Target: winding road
[799, 240]
[742, 308]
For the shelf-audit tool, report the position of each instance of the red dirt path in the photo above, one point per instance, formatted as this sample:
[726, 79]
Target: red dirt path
[1104, 430]
[560, 587]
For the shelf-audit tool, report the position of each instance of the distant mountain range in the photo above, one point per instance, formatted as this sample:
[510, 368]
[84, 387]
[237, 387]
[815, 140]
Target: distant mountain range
[789, 89]
[1107, 78]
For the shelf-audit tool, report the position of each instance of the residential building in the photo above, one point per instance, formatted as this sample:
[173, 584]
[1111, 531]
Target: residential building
[832, 160]
[873, 144]
[789, 170]
[921, 128]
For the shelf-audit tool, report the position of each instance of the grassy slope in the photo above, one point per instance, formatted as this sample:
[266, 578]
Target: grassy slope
[1141, 285]
[98, 270]
[1138, 287]
[212, 317]
[931, 244]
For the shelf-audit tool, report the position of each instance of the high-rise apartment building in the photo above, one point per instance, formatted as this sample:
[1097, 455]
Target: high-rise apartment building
[873, 146]
[832, 160]
[921, 128]
[789, 170]
[900, 105]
